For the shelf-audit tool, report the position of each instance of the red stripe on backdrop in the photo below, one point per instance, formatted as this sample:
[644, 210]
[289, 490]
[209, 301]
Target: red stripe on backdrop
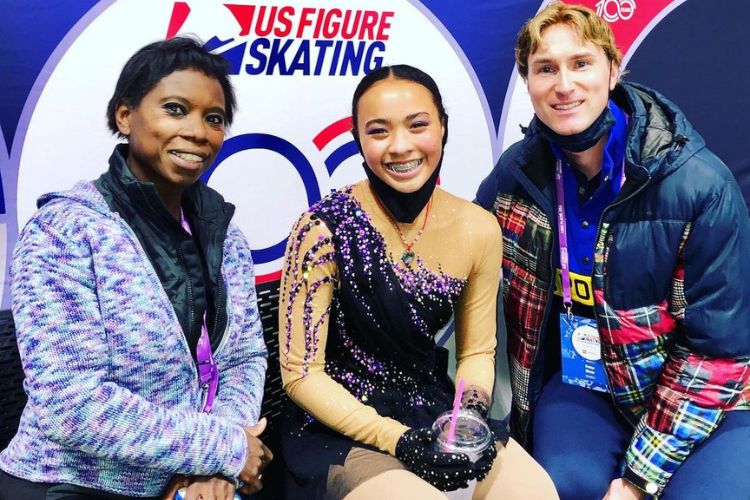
[180, 12]
[244, 16]
[265, 278]
[333, 130]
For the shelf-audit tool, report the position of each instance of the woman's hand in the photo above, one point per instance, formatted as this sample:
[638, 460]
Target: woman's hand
[200, 487]
[620, 489]
[218, 487]
[258, 458]
[445, 471]
[178, 481]
[209, 488]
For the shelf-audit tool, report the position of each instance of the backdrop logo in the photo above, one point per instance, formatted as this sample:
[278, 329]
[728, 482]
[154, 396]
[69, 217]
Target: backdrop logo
[295, 67]
[615, 10]
[246, 142]
[288, 40]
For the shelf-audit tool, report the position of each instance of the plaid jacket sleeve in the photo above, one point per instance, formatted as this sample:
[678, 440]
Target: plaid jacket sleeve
[708, 370]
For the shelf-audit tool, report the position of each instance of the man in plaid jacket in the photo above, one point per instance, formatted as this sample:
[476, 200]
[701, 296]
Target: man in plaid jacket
[626, 245]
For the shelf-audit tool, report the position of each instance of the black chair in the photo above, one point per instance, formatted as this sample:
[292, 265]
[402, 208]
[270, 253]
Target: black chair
[274, 397]
[11, 380]
[13, 398]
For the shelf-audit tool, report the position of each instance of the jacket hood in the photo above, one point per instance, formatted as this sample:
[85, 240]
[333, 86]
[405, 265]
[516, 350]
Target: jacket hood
[660, 137]
[83, 193]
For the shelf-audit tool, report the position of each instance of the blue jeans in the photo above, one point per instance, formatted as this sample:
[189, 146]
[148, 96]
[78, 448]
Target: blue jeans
[580, 440]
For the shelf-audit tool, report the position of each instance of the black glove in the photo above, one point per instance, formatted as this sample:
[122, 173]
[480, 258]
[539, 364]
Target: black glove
[445, 471]
[483, 465]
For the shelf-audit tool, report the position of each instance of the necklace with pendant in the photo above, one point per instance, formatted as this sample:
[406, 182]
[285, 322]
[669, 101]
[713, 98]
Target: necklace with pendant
[408, 256]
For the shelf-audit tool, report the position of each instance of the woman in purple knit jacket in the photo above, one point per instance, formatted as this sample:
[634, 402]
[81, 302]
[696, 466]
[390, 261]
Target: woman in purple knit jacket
[135, 308]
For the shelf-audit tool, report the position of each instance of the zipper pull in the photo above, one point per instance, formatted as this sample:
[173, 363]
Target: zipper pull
[678, 142]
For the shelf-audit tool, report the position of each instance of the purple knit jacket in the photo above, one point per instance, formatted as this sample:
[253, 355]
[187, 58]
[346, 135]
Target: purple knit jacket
[114, 400]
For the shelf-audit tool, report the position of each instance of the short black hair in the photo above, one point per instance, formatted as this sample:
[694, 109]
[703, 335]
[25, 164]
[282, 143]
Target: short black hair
[399, 72]
[146, 68]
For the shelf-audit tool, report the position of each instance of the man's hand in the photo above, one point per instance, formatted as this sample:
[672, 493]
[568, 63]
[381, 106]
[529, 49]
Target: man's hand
[620, 489]
[258, 458]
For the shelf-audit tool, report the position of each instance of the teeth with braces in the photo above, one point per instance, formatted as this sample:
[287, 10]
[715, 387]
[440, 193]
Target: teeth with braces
[403, 167]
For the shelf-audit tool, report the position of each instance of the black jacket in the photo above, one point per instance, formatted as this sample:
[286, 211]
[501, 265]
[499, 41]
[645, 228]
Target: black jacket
[189, 268]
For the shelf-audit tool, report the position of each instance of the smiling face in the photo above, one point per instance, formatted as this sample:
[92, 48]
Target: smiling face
[569, 80]
[400, 132]
[176, 130]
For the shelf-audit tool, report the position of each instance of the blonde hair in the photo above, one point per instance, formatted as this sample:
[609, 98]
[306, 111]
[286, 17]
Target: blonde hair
[585, 22]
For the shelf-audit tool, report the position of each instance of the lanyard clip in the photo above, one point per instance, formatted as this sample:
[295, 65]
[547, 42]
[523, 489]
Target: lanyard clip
[569, 309]
[209, 386]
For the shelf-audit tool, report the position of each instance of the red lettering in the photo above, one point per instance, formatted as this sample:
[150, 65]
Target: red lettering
[368, 25]
[384, 25]
[304, 21]
[319, 24]
[285, 23]
[349, 27]
[331, 27]
[261, 28]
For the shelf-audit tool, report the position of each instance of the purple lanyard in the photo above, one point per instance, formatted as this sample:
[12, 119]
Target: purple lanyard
[562, 231]
[208, 372]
